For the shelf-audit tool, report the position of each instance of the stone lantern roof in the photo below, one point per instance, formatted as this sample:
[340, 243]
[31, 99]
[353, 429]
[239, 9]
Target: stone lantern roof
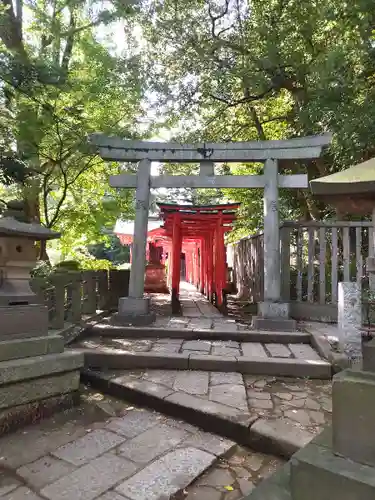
[352, 191]
[15, 223]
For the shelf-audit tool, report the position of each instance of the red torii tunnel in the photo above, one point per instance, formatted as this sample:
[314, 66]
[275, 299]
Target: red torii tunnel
[199, 231]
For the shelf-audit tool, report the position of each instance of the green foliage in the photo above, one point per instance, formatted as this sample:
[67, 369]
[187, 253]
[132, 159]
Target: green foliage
[59, 83]
[111, 250]
[239, 71]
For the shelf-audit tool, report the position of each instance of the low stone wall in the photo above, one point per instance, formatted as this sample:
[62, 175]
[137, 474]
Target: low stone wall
[71, 296]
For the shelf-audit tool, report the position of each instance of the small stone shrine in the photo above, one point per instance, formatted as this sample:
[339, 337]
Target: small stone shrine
[36, 376]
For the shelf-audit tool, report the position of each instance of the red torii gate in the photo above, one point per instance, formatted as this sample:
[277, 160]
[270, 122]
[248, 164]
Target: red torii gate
[200, 230]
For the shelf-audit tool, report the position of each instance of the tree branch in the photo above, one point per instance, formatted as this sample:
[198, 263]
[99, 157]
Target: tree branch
[11, 30]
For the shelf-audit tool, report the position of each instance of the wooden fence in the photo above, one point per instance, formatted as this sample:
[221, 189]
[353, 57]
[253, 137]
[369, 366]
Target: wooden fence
[72, 296]
[315, 256]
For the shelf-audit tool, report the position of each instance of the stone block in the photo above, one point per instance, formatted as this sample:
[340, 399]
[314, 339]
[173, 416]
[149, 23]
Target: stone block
[212, 363]
[91, 480]
[253, 349]
[274, 324]
[133, 423]
[208, 442]
[317, 473]
[353, 416]
[278, 350]
[86, 448]
[278, 437]
[131, 305]
[23, 321]
[349, 319]
[17, 370]
[368, 353]
[203, 406]
[43, 471]
[303, 351]
[18, 416]
[35, 389]
[152, 443]
[273, 310]
[284, 367]
[172, 361]
[31, 346]
[192, 382]
[132, 319]
[274, 487]
[164, 477]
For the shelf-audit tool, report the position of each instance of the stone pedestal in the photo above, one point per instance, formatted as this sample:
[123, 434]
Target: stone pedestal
[133, 311]
[341, 466]
[349, 320]
[36, 376]
[274, 316]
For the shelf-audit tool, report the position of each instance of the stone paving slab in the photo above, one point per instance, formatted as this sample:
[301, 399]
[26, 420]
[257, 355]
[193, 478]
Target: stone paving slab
[87, 455]
[294, 359]
[230, 403]
[298, 360]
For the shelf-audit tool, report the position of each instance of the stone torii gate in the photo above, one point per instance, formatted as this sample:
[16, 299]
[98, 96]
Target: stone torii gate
[272, 313]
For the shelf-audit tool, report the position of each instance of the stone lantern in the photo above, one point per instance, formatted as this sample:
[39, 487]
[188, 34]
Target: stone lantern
[36, 375]
[18, 254]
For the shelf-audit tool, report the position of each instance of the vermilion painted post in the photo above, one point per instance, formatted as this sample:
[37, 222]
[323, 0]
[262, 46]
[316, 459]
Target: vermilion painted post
[196, 266]
[210, 242]
[203, 273]
[176, 255]
[220, 264]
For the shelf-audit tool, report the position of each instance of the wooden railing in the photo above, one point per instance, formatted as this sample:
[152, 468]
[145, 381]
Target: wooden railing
[72, 296]
[315, 256]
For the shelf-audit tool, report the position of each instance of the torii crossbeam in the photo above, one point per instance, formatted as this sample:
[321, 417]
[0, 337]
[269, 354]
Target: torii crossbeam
[272, 313]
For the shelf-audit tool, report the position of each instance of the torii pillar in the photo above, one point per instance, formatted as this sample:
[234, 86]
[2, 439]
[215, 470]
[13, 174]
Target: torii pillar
[273, 314]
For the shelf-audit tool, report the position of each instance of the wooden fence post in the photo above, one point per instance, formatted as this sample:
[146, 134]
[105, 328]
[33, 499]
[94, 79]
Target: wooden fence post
[285, 262]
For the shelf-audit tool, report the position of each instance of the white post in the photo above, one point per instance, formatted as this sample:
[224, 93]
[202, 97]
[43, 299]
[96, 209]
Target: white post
[135, 309]
[273, 314]
[271, 233]
[349, 319]
[137, 271]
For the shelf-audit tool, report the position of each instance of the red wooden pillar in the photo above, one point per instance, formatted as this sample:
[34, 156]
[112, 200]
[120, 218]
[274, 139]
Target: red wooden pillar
[202, 280]
[188, 265]
[220, 262]
[176, 255]
[210, 265]
[196, 265]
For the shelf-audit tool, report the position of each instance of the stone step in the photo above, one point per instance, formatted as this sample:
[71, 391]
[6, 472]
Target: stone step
[183, 331]
[17, 370]
[37, 389]
[29, 347]
[283, 367]
[222, 403]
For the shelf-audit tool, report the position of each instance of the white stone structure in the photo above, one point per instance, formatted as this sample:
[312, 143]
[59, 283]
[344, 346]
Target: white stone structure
[272, 311]
[349, 320]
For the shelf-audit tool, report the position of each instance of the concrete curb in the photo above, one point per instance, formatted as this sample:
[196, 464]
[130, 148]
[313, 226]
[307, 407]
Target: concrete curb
[283, 367]
[238, 432]
[276, 437]
[245, 336]
[338, 360]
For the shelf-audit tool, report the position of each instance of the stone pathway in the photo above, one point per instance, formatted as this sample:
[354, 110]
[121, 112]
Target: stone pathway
[201, 347]
[244, 408]
[232, 478]
[106, 450]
